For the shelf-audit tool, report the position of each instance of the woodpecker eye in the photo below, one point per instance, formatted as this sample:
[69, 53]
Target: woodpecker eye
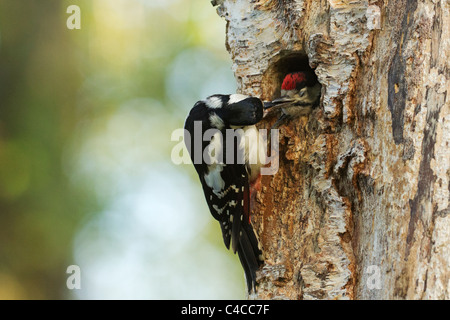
[302, 92]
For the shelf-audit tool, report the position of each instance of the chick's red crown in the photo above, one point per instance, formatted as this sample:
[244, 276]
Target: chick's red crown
[292, 79]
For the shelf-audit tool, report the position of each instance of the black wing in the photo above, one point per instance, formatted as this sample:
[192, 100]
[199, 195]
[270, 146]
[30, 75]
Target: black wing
[231, 207]
[228, 200]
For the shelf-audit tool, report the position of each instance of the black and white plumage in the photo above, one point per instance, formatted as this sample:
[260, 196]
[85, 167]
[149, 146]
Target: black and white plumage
[224, 168]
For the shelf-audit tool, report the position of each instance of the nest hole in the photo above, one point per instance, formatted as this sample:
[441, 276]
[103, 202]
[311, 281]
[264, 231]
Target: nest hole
[287, 62]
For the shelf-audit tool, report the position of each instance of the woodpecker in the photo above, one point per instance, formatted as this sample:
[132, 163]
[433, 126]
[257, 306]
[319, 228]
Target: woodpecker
[222, 155]
[300, 94]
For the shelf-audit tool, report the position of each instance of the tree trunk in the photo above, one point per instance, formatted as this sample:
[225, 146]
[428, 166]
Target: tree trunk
[359, 207]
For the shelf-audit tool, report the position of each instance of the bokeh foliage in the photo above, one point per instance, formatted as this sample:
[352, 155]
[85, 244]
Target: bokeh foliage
[85, 115]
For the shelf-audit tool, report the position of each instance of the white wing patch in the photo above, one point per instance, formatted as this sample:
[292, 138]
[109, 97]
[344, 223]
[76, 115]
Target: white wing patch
[213, 102]
[214, 151]
[213, 178]
[216, 121]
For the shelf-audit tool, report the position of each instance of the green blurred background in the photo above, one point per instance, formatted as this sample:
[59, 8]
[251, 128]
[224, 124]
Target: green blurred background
[86, 177]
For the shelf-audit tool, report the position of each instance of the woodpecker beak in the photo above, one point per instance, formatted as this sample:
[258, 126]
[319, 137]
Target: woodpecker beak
[277, 102]
[268, 104]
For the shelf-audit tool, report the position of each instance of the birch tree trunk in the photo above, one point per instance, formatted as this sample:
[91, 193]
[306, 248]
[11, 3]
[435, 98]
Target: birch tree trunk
[359, 207]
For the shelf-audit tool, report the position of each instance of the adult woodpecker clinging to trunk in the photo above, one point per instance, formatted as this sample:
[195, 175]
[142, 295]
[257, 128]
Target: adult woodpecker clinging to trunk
[228, 165]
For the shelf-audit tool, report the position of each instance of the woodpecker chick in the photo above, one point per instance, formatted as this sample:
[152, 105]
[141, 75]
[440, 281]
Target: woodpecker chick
[227, 164]
[300, 94]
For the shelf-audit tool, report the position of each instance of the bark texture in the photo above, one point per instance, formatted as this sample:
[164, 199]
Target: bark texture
[359, 208]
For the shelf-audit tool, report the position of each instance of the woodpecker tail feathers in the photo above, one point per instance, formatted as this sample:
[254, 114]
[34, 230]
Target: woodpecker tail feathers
[250, 255]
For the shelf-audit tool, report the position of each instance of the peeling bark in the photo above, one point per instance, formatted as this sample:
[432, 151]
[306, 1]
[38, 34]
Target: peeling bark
[359, 208]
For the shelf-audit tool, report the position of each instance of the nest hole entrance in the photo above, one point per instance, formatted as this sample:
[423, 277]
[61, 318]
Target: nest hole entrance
[273, 77]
